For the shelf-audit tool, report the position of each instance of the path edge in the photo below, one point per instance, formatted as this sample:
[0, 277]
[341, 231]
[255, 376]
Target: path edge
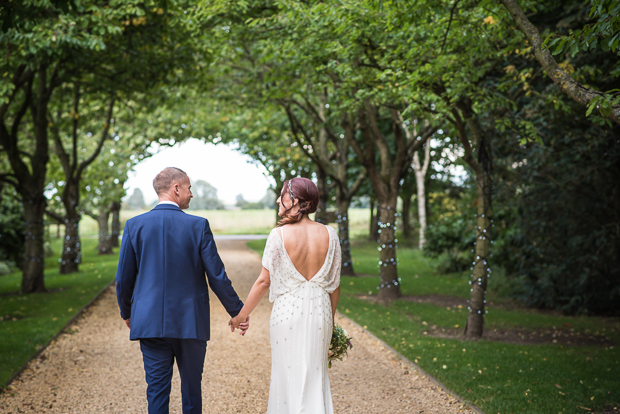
[416, 367]
[39, 351]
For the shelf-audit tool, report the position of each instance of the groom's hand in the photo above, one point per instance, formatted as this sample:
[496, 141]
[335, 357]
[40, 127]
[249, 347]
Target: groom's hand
[128, 323]
[238, 323]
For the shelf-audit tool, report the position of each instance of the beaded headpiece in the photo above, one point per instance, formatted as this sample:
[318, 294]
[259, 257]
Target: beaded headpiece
[290, 189]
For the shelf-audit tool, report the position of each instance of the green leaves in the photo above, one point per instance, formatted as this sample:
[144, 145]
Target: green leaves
[604, 103]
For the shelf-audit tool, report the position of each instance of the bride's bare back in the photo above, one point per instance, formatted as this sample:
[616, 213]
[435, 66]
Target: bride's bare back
[306, 243]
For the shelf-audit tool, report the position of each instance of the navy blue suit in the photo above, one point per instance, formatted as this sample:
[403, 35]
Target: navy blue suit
[161, 286]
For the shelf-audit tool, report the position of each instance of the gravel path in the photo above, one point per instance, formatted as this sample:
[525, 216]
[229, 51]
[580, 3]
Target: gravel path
[96, 369]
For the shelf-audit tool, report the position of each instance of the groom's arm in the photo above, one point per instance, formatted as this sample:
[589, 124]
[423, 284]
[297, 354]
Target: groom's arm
[126, 274]
[216, 274]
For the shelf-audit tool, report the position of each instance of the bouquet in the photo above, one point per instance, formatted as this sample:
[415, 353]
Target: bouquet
[340, 344]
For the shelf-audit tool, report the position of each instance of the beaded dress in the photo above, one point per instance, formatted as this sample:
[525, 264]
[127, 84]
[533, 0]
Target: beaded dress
[300, 329]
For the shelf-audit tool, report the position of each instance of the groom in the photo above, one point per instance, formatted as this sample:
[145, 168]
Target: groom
[163, 294]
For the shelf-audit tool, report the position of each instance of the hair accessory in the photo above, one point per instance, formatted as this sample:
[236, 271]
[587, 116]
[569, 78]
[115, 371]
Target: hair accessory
[290, 190]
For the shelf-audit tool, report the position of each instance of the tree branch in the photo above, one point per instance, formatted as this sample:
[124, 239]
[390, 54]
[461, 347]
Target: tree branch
[60, 150]
[468, 157]
[565, 82]
[6, 178]
[60, 219]
[445, 38]
[104, 135]
[320, 159]
[90, 213]
[361, 177]
[76, 102]
[379, 139]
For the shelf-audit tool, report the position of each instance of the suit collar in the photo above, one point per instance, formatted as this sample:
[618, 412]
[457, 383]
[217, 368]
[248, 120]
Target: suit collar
[167, 207]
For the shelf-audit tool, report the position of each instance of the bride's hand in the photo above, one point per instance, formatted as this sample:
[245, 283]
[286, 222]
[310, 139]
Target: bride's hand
[239, 323]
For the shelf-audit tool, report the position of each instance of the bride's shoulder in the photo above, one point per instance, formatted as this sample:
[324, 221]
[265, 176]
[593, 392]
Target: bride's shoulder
[330, 229]
[274, 233]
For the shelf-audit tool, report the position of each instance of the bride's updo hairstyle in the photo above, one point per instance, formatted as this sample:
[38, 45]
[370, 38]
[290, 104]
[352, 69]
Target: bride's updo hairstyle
[307, 195]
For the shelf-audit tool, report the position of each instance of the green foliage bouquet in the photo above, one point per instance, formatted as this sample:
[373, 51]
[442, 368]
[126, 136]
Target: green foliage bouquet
[340, 344]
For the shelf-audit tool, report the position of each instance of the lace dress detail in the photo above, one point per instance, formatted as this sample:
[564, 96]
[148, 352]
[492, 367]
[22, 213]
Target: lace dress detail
[300, 329]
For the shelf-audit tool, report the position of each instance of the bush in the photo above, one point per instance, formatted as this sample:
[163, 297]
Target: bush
[6, 267]
[450, 239]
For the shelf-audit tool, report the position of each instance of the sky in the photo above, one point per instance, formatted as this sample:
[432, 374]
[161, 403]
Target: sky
[228, 170]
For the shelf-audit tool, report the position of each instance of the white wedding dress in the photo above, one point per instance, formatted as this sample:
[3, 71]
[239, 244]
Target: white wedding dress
[301, 329]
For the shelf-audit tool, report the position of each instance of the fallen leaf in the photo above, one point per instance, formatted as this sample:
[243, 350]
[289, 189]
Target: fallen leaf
[558, 386]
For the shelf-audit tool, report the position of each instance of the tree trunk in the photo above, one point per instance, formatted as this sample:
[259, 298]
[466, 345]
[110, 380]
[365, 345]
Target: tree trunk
[406, 214]
[115, 209]
[483, 168]
[342, 220]
[373, 234]
[419, 178]
[34, 254]
[71, 251]
[419, 170]
[104, 246]
[390, 283]
[321, 211]
[477, 301]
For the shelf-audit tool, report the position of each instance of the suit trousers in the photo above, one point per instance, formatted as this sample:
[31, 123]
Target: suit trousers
[159, 355]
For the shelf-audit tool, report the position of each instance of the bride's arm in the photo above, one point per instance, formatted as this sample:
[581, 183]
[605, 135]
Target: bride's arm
[260, 287]
[334, 296]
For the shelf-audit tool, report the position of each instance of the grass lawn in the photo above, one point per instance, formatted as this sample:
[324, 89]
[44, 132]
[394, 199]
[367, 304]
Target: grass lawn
[498, 377]
[28, 321]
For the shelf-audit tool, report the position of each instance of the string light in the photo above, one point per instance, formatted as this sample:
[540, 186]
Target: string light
[33, 231]
[344, 242]
[482, 233]
[388, 244]
[71, 251]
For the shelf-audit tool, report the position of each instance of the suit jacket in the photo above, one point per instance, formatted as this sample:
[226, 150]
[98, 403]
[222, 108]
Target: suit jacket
[160, 280]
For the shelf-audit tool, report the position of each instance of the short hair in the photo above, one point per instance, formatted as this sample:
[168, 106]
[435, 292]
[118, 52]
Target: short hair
[164, 180]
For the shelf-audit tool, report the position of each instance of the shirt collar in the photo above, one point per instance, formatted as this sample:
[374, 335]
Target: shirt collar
[168, 202]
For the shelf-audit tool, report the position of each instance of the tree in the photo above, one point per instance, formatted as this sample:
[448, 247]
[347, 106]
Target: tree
[205, 197]
[102, 187]
[73, 168]
[332, 154]
[276, 62]
[41, 38]
[136, 200]
[269, 199]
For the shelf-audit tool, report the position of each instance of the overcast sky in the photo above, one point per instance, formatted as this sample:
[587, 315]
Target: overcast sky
[220, 165]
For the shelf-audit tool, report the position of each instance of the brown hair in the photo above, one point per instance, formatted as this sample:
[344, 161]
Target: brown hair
[307, 195]
[167, 177]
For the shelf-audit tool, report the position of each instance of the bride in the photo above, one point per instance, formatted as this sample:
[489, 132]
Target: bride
[301, 267]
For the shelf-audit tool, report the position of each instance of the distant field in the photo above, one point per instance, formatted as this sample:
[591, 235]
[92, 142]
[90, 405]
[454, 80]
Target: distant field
[229, 221]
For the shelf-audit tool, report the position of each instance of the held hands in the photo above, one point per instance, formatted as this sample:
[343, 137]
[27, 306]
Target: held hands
[239, 323]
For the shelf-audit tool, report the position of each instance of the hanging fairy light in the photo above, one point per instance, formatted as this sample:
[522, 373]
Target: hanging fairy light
[343, 224]
[389, 244]
[481, 234]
